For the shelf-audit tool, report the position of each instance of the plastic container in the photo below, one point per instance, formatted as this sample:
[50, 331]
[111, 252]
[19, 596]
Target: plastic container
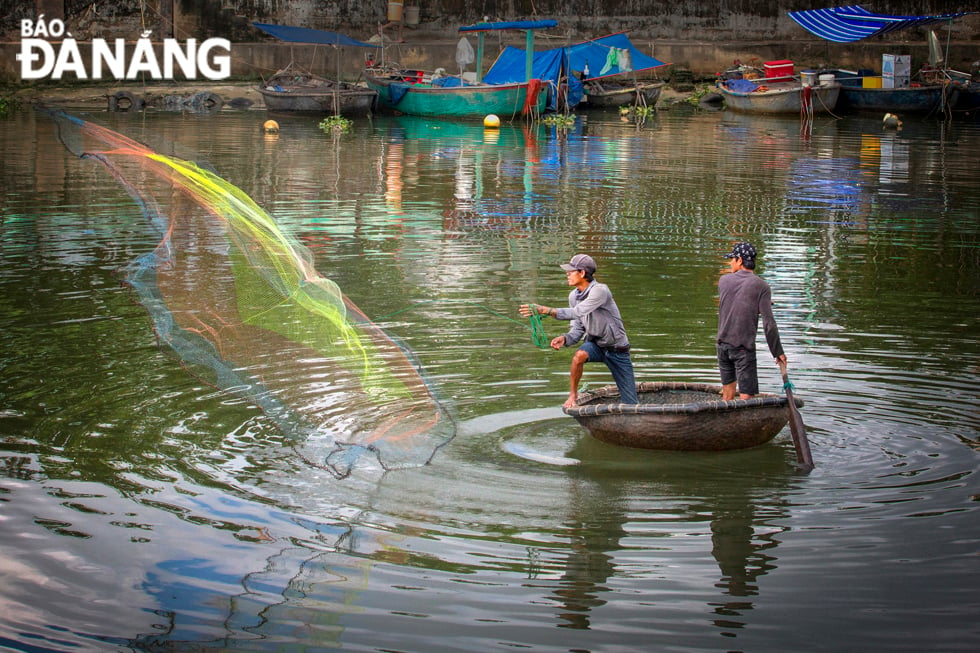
[871, 82]
[828, 79]
[808, 77]
[781, 68]
[395, 8]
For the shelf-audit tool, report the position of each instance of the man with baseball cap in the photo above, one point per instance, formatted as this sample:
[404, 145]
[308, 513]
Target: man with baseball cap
[593, 314]
[742, 298]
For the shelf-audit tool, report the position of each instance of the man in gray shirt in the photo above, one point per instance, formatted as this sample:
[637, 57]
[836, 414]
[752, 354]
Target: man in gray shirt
[593, 313]
[742, 298]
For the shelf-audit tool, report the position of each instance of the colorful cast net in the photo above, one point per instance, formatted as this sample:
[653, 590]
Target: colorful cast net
[242, 306]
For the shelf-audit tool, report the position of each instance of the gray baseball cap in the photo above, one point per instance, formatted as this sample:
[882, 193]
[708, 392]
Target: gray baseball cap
[580, 262]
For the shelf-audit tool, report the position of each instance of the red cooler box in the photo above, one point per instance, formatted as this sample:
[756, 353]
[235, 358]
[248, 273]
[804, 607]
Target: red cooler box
[781, 68]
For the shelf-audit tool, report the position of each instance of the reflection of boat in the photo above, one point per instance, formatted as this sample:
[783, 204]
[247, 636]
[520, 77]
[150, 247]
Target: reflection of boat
[778, 95]
[608, 93]
[295, 90]
[681, 417]
[418, 93]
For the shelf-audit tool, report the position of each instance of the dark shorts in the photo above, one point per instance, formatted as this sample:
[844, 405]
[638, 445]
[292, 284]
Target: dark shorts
[737, 364]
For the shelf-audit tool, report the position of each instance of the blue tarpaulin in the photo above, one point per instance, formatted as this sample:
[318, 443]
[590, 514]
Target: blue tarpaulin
[309, 35]
[597, 52]
[853, 23]
[551, 65]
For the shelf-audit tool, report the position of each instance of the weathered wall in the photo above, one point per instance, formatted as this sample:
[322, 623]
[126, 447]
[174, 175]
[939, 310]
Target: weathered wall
[652, 19]
[702, 37]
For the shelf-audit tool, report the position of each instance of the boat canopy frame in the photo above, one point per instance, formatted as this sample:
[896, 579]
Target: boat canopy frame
[527, 25]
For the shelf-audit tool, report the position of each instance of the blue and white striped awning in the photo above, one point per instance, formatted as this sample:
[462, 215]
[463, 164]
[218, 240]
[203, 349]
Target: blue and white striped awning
[853, 23]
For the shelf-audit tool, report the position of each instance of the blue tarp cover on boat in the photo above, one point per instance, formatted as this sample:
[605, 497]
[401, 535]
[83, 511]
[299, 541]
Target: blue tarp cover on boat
[596, 53]
[309, 35]
[853, 23]
[510, 68]
[741, 85]
[550, 65]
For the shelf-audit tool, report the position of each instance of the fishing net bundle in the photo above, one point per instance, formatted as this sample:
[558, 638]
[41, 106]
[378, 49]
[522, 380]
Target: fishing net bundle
[243, 308]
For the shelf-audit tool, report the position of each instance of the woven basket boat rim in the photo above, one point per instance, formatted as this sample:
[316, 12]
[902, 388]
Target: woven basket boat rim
[584, 409]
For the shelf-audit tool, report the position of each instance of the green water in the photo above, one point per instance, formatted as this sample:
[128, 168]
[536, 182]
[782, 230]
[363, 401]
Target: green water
[145, 510]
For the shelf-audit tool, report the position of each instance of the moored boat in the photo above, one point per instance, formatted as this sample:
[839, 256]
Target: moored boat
[290, 90]
[782, 95]
[416, 93]
[856, 94]
[599, 72]
[893, 91]
[420, 93]
[619, 93]
[681, 416]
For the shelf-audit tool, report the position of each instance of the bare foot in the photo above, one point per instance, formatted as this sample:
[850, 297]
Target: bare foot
[569, 403]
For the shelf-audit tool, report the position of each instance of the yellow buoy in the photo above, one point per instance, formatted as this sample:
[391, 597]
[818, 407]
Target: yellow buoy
[270, 127]
[491, 121]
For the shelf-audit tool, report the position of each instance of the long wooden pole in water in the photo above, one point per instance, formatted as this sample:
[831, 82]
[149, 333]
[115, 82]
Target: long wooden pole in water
[802, 445]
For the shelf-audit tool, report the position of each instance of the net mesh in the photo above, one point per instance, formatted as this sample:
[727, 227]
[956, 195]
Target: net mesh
[241, 305]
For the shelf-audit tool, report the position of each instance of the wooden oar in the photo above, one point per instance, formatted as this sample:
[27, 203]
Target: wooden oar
[803, 456]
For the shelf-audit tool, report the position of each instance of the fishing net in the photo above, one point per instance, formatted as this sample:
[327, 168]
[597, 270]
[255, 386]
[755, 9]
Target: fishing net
[241, 305]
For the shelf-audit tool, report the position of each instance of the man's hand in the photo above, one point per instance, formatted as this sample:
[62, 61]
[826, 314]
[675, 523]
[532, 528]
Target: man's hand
[558, 342]
[525, 310]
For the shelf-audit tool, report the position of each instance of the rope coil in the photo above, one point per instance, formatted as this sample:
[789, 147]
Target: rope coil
[538, 336]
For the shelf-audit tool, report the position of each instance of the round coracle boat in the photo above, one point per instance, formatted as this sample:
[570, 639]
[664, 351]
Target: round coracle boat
[681, 417]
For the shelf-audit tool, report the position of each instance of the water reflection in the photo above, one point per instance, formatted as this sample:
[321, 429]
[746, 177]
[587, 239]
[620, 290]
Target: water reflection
[618, 507]
[144, 510]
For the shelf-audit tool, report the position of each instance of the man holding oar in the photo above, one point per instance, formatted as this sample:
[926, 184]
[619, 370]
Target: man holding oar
[742, 298]
[593, 314]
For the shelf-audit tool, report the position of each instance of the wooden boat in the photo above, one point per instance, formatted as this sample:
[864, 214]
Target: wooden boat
[681, 416]
[291, 90]
[854, 23]
[418, 93]
[608, 93]
[864, 92]
[779, 95]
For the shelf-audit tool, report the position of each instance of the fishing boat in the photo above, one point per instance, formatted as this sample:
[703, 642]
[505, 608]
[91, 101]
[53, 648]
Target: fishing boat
[608, 71]
[864, 92]
[779, 95]
[293, 89]
[894, 90]
[620, 93]
[435, 94]
[679, 416]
